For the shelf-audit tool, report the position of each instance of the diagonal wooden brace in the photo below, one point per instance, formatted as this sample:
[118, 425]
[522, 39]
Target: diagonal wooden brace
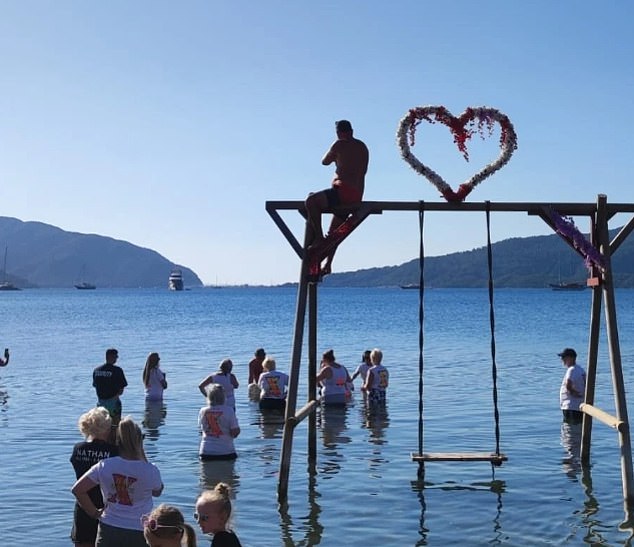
[316, 254]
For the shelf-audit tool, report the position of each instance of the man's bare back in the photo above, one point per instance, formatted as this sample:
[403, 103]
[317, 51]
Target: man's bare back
[351, 157]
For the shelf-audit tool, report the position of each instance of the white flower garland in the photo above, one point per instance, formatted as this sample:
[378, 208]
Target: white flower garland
[462, 128]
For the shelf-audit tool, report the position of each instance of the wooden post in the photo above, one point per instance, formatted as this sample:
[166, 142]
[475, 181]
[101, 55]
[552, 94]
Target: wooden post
[615, 353]
[291, 397]
[312, 370]
[593, 352]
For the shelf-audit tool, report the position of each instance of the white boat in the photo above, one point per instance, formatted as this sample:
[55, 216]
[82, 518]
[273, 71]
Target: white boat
[6, 285]
[175, 281]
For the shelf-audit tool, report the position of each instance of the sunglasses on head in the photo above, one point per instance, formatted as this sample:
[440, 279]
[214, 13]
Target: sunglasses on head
[200, 518]
[153, 525]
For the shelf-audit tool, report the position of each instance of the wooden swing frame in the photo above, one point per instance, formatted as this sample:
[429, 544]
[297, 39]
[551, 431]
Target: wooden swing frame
[600, 280]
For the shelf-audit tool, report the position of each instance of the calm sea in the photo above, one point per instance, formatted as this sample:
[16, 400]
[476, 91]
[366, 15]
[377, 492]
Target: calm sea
[364, 490]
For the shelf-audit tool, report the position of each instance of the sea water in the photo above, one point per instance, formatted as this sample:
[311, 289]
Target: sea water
[364, 488]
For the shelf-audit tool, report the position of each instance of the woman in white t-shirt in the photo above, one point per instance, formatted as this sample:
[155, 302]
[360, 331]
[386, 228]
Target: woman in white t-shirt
[226, 379]
[273, 387]
[334, 380]
[128, 482]
[219, 426]
[153, 378]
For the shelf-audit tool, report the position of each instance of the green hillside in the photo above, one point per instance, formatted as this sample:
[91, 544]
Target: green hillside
[529, 262]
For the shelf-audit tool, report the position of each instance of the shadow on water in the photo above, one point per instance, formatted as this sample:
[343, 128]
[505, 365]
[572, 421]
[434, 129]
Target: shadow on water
[310, 523]
[153, 418]
[495, 486]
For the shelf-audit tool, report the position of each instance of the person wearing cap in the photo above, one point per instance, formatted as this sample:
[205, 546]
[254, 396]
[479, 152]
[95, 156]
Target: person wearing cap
[350, 157]
[573, 387]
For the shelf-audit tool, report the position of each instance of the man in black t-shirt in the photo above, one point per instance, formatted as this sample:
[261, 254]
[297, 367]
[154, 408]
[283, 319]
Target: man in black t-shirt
[109, 382]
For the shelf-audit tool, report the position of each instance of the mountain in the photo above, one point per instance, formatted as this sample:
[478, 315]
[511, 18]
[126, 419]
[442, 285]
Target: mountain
[41, 255]
[517, 262]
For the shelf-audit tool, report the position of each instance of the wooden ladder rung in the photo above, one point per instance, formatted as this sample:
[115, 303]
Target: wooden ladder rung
[459, 457]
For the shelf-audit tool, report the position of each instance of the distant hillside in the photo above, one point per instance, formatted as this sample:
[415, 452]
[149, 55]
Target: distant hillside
[517, 262]
[41, 255]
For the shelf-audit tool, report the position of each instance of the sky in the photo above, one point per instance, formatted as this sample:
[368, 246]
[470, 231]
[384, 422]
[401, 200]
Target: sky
[170, 124]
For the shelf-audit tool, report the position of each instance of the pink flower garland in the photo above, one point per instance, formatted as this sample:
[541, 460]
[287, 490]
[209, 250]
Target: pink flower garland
[473, 120]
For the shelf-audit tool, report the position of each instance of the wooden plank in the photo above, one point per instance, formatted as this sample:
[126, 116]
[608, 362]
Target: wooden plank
[602, 416]
[459, 457]
[532, 208]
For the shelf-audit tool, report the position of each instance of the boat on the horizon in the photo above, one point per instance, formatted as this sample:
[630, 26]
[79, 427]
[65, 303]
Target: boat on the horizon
[84, 285]
[5, 284]
[410, 286]
[570, 286]
[175, 281]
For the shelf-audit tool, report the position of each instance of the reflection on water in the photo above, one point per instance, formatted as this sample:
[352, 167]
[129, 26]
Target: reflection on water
[271, 423]
[311, 526]
[4, 406]
[153, 418]
[376, 421]
[571, 442]
[495, 486]
[331, 419]
[214, 471]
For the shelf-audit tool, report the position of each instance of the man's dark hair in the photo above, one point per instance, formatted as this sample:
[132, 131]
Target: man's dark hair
[112, 353]
[343, 126]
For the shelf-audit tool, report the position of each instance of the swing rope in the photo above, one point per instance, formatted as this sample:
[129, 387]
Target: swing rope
[421, 322]
[494, 372]
[496, 458]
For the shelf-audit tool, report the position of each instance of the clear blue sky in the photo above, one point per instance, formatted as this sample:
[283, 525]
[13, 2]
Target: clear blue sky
[169, 124]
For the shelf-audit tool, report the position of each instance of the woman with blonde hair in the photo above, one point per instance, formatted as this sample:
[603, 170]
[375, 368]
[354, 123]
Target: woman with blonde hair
[153, 378]
[219, 426]
[95, 425]
[166, 527]
[273, 387]
[213, 514]
[378, 379]
[127, 483]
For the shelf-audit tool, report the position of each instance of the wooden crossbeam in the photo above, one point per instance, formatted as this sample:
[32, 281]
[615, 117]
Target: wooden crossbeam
[496, 459]
[602, 416]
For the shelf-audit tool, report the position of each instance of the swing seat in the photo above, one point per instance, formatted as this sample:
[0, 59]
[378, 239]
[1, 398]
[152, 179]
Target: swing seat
[495, 459]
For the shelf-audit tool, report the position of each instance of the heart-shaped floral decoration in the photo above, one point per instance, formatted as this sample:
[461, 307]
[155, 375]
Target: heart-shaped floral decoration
[463, 127]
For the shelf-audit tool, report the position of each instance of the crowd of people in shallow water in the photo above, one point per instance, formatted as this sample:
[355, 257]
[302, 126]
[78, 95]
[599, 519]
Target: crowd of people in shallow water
[116, 483]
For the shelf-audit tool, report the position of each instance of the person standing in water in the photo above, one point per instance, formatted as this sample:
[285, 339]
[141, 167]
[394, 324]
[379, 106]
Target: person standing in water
[226, 379]
[377, 380]
[153, 378]
[109, 382]
[573, 387]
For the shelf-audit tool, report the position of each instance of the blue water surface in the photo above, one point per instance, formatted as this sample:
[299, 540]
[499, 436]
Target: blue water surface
[364, 488]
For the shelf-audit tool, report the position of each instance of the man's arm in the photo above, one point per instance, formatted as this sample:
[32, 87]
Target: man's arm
[571, 389]
[331, 155]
